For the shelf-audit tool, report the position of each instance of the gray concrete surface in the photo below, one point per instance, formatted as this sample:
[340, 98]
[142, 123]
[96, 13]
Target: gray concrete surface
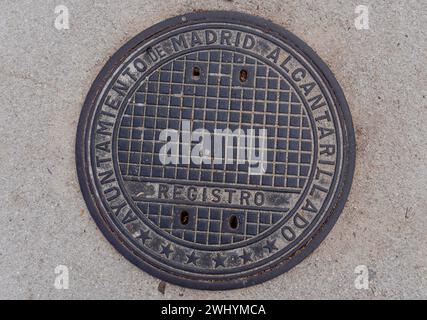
[45, 75]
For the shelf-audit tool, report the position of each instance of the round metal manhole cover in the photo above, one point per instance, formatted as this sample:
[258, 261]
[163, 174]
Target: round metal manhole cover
[215, 150]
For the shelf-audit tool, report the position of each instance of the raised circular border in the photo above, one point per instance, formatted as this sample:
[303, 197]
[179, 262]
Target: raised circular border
[349, 154]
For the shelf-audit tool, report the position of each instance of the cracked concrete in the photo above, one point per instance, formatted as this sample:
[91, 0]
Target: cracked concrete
[45, 75]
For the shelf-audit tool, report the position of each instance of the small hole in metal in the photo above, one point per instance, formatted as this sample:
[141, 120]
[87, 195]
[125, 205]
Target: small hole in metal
[243, 75]
[234, 222]
[196, 73]
[185, 217]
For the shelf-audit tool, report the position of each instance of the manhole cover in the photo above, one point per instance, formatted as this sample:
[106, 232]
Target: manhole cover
[215, 150]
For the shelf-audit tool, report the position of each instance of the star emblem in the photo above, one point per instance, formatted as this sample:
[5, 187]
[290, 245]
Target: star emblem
[270, 246]
[166, 250]
[192, 258]
[258, 251]
[143, 235]
[219, 260]
[246, 256]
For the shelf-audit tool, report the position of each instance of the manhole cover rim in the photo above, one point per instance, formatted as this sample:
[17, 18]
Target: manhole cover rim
[337, 201]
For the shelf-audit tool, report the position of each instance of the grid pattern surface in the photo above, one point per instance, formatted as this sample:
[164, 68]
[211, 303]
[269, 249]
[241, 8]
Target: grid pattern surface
[215, 99]
[209, 225]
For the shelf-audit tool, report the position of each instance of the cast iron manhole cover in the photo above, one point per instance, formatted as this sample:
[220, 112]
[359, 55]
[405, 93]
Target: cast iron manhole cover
[215, 150]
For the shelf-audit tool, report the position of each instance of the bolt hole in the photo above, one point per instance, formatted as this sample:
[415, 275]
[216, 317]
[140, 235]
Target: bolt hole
[234, 222]
[243, 75]
[196, 73]
[185, 217]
